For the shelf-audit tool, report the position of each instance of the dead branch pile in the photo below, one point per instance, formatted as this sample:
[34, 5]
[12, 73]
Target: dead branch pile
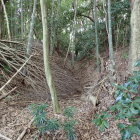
[12, 58]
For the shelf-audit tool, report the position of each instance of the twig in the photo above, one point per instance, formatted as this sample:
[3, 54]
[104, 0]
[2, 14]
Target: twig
[5, 95]
[14, 74]
[20, 137]
[4, 137]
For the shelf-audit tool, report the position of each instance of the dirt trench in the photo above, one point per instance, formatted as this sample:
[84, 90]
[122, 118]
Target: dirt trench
[71, 84]
[34, 86]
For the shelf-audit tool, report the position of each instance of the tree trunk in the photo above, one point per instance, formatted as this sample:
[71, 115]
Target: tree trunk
[22, 22]
[96, 34]
[73, 32]
[30, 38]
[48, 73]
[52, 30]
[1, 20]
[111, 57]
[135, 35]
[110, 32]
[6, 18]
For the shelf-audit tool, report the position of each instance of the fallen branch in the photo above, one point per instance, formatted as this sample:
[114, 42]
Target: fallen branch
[9, 41]
[15, 74]
[20, 137]
[4, 137]
[5, 95]
[93, 87]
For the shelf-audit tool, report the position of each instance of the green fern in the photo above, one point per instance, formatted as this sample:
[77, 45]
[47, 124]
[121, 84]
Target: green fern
[69, 129]
[52, 125]
[69, 124]
[69, 112]
[42, 123]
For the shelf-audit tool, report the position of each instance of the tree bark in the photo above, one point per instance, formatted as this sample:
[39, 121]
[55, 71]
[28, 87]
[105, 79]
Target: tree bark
[48, 73]
[52, 30]
[30, 38]
[73, 32]
[110, 32]
[6, 18]
[1, 20]
[111, 57]
[135, 35]
[96, 34]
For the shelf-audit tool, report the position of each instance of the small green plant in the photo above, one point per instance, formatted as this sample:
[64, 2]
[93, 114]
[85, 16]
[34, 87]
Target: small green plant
[129, 109]
[52, 125]
[101, 121]
[41, 121]
[69, 123]
[39, 113]
[69, 129]
[45, 124]
[126, 107]
[69, 112]
[127, 131]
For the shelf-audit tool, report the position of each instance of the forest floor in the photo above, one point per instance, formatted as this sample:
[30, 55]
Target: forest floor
[73, 87]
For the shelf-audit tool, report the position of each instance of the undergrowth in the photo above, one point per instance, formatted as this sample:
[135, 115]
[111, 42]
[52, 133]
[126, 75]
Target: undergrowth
[127, 106]
[41, 121]
[45, 124]
[69, 123]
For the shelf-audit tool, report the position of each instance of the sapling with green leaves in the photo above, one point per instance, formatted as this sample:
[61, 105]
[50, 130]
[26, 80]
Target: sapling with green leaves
[127, 131]
[69, 112]
[52, 125]
[41, 121]
[69, 123]
[101, 121]
[69, 129]
[126, 106]
[39, 113]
